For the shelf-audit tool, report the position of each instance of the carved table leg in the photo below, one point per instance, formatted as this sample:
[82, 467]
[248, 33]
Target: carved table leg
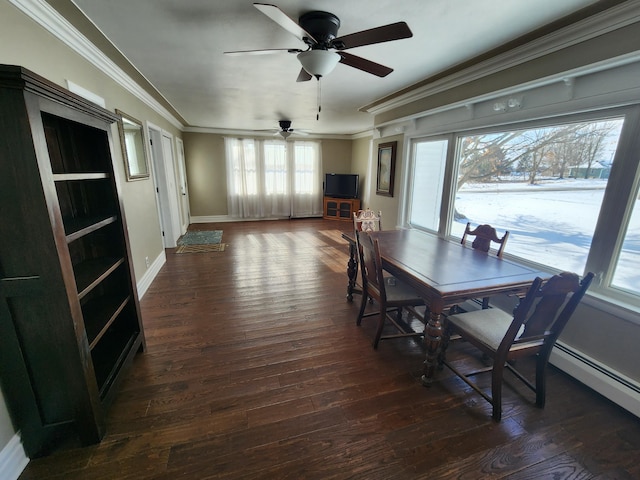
[352, 271]
[432, 340]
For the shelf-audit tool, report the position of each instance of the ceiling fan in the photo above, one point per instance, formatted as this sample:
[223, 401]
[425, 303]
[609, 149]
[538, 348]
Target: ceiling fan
[319, 30]
[286, 130]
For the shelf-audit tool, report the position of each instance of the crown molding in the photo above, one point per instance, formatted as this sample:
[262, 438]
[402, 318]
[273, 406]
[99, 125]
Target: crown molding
[365, 134]
[568, 78]
[49, 19]
[255, 133]
[597, 25]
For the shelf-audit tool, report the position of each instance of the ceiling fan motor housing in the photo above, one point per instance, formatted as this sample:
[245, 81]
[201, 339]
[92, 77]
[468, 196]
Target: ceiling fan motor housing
[285, 125]
[323, 26]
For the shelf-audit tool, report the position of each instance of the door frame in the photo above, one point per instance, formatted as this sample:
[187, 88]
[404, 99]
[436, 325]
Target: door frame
[182, 185]
[164, 178]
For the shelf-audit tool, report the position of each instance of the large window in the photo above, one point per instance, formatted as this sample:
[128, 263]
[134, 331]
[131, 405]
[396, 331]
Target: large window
[273, 178]
[566, 191]
[545, 185]
[429, 159]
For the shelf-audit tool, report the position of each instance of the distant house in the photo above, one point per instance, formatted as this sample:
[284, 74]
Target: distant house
[597, 170]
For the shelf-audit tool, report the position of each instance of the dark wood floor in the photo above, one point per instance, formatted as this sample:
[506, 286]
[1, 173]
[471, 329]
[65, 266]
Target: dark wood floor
[255, 369]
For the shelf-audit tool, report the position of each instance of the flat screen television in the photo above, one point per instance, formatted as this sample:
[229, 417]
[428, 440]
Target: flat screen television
[341, 185]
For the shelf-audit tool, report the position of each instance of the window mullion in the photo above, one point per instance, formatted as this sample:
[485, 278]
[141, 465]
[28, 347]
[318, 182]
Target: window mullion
[447, 209]
[617, 203]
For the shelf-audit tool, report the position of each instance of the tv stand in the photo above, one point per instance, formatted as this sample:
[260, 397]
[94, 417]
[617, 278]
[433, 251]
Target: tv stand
[340, 208]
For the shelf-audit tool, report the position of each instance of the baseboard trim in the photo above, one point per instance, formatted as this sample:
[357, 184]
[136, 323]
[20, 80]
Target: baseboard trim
[13, 459]
[213, 219]
[151, 273]
[613, 385]
[227, 219]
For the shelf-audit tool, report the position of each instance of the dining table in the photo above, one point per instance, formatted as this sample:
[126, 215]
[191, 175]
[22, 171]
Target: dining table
[445, 274]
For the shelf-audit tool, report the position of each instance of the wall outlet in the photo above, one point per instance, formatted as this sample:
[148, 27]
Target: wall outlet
[146, 261]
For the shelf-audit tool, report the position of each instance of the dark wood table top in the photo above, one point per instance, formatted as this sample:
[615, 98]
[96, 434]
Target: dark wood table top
[448, 272]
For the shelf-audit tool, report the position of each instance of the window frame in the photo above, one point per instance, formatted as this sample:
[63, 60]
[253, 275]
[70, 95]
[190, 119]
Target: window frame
[617, 204]
[446, 180]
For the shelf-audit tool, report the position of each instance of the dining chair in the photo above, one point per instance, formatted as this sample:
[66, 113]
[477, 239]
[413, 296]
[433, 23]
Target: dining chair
[483, 236]
[532, 330]
[364, 221]
[367, 220]
[389, 294]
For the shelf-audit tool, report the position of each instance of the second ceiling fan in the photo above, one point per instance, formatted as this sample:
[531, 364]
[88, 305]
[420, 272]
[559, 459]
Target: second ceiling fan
[319, 30]
[286, 130]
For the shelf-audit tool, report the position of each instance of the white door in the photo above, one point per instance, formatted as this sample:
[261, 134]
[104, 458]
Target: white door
[165, 183]
[172, 185]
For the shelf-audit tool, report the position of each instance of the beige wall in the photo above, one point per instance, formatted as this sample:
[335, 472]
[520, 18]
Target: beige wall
[360, 159]
[206, 173]
[336, 156]
[34, 48]
[40, 52]
[364, 154]
[387, 205]
[206, 169]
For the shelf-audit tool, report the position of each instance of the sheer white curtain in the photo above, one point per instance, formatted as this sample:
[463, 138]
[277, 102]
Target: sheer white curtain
[242, 178]
[306, 200]
[273, 178]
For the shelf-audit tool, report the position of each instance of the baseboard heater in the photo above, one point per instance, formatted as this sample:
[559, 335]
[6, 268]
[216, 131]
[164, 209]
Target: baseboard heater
[613, 385]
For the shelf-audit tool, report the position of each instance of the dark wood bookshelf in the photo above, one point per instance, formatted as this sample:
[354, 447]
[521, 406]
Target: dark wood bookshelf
[70, 321]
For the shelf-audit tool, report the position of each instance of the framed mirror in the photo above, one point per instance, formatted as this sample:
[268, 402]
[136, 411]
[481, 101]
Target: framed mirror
[133, 147]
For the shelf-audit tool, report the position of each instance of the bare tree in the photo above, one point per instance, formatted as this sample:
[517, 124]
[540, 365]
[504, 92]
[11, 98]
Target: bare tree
[484, 157]
[533, 152]
[593, 137]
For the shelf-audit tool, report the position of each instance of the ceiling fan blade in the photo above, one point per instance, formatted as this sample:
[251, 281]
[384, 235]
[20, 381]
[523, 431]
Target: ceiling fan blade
[303, 76]
[386, 33]
[282, 19]
[263, 52]
[298, 132]
[364, 64]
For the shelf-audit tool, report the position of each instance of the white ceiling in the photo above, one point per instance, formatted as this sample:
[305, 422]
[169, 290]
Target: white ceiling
[177, 45]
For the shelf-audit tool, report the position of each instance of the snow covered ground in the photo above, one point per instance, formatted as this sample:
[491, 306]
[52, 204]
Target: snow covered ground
[551, 223]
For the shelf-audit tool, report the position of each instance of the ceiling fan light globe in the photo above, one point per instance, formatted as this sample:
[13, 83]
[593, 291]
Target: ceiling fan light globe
[318, 62]
[285, 134]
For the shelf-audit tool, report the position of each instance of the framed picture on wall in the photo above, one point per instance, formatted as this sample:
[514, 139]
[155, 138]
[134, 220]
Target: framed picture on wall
[386, 168]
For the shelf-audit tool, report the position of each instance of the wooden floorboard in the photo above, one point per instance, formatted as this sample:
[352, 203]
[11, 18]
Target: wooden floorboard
[255, 368]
